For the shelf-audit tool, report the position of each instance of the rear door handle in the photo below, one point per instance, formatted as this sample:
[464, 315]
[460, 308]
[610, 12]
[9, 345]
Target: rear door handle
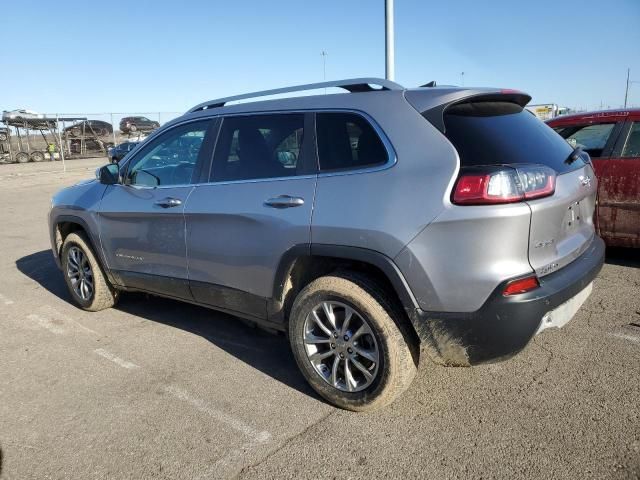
[169, 202]
[284, 201]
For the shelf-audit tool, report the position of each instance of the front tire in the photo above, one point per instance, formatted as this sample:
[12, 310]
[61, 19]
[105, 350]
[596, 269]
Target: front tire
[347, 344]
[83, 275]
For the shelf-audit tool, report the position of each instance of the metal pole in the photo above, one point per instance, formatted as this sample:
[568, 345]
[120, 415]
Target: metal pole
[113, 130]
[64, 165]
[626, 92]
[389, 70]
[324, 68]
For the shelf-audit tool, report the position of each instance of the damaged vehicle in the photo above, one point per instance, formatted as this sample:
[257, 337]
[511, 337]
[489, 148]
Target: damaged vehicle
[612, 139]
[366, 226]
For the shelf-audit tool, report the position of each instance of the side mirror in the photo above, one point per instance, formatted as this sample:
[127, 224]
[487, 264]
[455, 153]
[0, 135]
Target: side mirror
[108, 175]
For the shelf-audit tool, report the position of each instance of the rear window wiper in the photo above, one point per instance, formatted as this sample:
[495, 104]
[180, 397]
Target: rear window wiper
[574, 155]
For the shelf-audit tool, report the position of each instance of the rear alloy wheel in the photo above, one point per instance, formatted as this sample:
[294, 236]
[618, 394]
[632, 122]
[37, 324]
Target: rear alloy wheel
[133, 128]
[341, 346]
[348, 345]
[85, 279]
[3, 137]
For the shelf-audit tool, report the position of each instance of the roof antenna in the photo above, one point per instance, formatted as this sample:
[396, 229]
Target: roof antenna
[432, 83]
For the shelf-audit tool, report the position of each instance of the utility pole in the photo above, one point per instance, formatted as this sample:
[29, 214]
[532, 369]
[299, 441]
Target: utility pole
[626, 92]
[324, 68]
[324, 65]
[389, 70]
[462, 79]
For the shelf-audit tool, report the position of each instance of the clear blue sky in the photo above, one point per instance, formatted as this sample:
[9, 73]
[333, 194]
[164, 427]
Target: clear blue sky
[150, 56]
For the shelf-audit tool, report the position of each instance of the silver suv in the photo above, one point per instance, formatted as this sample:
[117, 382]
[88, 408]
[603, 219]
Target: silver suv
[369, 226]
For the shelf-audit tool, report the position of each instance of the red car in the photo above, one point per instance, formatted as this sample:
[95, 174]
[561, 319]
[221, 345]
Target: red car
[612, 138]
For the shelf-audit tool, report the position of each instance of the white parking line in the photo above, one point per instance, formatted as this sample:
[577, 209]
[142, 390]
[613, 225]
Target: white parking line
[117, 360]
[237, 424]
[5, 300]
[47, 324]
[49, 311]
[624, 336]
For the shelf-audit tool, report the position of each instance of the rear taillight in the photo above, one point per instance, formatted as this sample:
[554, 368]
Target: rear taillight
[503, 184]
[521, 285]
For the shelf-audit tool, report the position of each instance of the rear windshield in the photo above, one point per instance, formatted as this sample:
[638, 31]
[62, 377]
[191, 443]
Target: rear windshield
[499, 133]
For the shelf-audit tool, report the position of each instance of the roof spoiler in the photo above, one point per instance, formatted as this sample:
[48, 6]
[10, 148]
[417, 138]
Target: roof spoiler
[435, 115]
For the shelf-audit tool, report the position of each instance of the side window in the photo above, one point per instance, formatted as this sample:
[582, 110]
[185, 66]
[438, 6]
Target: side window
[169, 159]
[632, 145]
[346, 141]
[258, 146]
[592, 138]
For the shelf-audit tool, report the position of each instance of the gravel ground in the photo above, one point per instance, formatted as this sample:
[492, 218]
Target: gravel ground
[161, 389]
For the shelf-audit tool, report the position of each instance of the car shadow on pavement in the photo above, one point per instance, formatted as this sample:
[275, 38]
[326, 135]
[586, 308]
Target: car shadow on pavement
[624, 257]
[264, 351]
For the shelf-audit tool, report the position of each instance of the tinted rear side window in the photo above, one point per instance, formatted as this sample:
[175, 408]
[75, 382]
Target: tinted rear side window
[347, 141]
[259, 146]
[499, 133]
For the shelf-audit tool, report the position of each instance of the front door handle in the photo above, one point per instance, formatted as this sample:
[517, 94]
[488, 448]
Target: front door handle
[169, 202]
[284, 201]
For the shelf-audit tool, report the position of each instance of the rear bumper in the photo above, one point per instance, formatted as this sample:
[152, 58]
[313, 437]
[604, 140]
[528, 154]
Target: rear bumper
[504, 325]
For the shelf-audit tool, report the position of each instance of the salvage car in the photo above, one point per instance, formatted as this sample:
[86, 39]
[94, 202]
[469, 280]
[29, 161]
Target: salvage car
[612, 139]
[89, 127]
[443, 219]
[137, 124]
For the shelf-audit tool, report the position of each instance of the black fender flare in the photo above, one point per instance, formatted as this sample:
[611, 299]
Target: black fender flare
[385, 264]
[95, 242]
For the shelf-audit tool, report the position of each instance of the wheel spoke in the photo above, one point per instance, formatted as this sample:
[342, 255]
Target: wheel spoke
[328, 311]
[361, 331]
[349, 380]
[348, 315]
[334, 372]
[72, 259]
[316, 319]
[362, 368]
[368, 354]
[316, 357]
[314, 339]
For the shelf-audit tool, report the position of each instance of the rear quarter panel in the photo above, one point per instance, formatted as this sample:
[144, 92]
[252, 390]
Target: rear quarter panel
[383, 210]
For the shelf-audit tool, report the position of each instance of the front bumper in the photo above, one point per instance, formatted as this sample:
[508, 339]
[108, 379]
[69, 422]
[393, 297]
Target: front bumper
[504, 325]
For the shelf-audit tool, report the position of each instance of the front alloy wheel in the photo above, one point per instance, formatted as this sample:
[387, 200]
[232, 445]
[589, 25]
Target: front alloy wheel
[80, 273]
[87, 283]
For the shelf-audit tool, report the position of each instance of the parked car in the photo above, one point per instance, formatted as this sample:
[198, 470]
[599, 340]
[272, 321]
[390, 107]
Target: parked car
[89, 127]
[612, 139]
[137, 124]
[447, 218]
[118, 152]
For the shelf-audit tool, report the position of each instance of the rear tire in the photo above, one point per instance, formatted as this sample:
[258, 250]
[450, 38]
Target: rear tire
[84, 276]
[318, 349]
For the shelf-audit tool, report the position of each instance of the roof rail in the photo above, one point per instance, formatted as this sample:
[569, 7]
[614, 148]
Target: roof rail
[352, 85]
